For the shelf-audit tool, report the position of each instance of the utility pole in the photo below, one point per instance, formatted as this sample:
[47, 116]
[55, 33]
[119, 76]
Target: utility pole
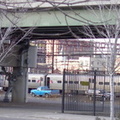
[53, 56]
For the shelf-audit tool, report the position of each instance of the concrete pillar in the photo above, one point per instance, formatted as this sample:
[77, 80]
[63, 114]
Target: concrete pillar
[20, 90]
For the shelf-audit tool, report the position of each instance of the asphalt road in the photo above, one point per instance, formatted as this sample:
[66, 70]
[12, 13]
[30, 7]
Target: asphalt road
[48, 104]
[30, 111]
[38, 107]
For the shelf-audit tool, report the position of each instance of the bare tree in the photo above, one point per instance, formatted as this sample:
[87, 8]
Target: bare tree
[111, 33]
[105, 24]
[10, 36]
[10, 33]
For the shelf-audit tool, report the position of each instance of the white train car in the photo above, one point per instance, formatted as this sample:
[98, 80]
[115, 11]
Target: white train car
[103, 82]
[2, 79]
[73, 82]
[35, 80]
[81, 83]
[78, 83]
[54, 81]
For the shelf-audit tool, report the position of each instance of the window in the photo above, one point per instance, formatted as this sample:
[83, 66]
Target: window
[71, 82]
[76, 82]
[66, 82]
[119, 83]
[106, 83]
[92, 63]
[97, 68]
[91, 80]
[59, 81]
[33, 80]
[29, 80]
[100, 83]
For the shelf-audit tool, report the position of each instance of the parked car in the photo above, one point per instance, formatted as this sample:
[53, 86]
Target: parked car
[44, 91]
[99, 94]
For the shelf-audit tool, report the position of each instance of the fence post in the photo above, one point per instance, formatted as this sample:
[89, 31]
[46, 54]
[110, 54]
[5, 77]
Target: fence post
[94, 96]
[63, 91]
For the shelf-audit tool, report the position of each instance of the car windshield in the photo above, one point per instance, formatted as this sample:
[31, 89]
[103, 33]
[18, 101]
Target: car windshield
[44, 88]
[38, 89]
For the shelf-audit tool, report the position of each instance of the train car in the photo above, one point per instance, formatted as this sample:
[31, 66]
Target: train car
[77, 83]
[73, 82]
[2, 79]
[103, 82]
[81, 83]
[54, 81]
[34, 81]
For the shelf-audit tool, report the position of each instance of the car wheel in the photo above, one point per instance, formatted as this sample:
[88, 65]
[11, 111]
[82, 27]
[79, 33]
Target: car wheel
[33, 94]
[90, 98]
[104, 98]
[46, 95]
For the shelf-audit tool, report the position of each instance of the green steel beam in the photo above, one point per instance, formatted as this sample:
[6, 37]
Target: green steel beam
[78, 17]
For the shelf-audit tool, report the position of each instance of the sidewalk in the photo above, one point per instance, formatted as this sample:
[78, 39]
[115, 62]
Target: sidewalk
[63, 116]
[49, 116]
[28, 112]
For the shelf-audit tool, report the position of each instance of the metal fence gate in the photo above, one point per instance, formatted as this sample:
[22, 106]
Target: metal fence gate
[80, 93]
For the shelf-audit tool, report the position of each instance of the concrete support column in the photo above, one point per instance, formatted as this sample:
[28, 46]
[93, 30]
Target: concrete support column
[20, 90]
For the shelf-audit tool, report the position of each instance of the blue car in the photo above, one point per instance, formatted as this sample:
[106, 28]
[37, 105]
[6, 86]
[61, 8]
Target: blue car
[43, 91]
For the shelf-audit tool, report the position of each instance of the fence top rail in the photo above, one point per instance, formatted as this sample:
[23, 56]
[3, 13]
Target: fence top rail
[98, 73]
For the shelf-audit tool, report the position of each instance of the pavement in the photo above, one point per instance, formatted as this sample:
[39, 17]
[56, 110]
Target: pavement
[39, 109]
[9, 111]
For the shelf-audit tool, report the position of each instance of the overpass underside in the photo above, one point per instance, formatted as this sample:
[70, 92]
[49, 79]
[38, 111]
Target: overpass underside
[64, 32]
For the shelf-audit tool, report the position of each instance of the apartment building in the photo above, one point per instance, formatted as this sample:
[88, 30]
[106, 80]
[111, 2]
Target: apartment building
[56, 55]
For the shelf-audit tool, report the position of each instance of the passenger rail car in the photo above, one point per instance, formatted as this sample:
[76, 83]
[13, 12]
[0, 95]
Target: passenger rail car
[79, 83]
[2, 79]
[34, 81]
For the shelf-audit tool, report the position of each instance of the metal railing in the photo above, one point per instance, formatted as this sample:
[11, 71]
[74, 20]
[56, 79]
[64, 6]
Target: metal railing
[78, 98]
